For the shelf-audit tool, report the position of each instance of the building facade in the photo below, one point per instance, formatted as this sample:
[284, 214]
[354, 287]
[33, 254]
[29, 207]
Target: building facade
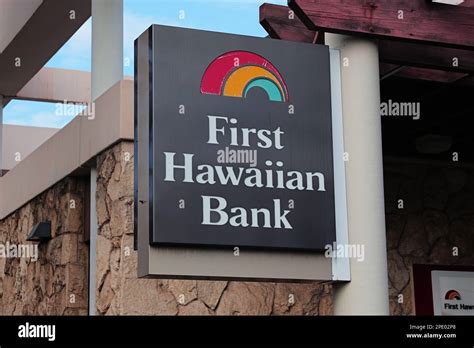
[81, 180]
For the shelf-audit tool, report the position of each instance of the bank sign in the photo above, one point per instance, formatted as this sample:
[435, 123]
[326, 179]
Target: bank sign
[240, 147]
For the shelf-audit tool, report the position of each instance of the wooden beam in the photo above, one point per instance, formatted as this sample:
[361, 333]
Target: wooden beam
[426, 56]
[415, 73]
[401, 59]
[387, 70]
[467, 81]
[276, 20]
[282, 23]
[409, 72]
[404, 20]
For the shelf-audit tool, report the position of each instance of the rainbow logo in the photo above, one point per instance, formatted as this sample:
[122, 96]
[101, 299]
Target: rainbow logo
[235, 73]
[452, 295]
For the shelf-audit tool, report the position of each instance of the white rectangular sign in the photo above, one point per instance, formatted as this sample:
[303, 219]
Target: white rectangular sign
[453, 293]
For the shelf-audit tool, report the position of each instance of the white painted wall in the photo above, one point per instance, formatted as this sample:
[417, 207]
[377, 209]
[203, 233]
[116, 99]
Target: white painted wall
[20, 141]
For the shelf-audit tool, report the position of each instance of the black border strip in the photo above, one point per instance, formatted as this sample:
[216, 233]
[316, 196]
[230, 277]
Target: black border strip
[248, 330]
[151, 155]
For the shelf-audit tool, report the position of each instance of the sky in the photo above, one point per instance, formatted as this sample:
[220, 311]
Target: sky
[229, 16]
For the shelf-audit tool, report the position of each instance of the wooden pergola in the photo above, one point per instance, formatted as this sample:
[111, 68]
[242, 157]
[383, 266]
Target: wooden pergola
[426, 54]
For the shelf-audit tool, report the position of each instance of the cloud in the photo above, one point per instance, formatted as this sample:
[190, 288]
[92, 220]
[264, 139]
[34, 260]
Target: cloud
[77, 51]
[25, 113]
[49, 119]
[134, 25]
[16, 107]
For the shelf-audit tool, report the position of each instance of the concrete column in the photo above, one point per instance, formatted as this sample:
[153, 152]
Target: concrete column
[107, 70]
[93, 243]
[367, 292]
[107, 45]
[1, 135]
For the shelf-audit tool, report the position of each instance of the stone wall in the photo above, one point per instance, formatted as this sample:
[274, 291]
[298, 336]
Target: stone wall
[429, 217]
[437, 214]
[430, 220]
[120, 292]
[55, 284]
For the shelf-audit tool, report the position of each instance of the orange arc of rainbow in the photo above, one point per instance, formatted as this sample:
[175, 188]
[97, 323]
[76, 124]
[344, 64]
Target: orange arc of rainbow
[237, 81]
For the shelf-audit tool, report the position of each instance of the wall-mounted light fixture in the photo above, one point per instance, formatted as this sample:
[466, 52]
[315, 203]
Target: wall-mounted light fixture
[40, 233]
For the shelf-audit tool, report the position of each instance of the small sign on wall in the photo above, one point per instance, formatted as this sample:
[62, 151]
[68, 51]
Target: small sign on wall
[443, 290]
[453, 292]
[235, 147]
